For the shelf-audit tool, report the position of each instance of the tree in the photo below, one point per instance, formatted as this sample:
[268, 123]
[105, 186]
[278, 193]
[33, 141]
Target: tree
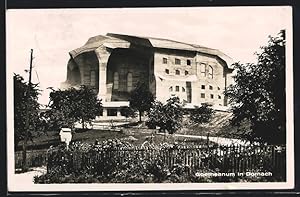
[72, 105]
[128, 112]
[141, 99]
[258, 95]
[201, 114]
[25, 98]
[168, 116]
[88, 105]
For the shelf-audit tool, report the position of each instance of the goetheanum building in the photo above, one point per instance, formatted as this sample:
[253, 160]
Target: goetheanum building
[113, 64]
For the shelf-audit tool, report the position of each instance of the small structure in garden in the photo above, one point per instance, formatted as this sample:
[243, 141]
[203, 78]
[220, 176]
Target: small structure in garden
[65, 136]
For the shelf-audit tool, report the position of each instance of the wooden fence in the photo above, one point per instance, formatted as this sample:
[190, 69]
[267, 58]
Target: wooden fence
[34, 158]
[219, 158]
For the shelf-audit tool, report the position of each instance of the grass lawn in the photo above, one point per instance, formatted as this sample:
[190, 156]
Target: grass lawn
[137, 136]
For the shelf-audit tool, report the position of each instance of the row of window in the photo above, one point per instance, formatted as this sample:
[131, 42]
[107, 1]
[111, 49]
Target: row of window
[202, 87]
[203, 71]
[211, 96]
[210, 87]
[177, 72]
[177, 88]
[177, 61]
[129, 81]
[116, 81]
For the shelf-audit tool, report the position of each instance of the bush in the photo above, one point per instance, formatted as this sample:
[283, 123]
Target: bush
[115, 161]
[201, 114]
[168, 116]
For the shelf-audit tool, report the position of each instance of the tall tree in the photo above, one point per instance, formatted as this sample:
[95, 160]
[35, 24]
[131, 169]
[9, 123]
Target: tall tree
[168, 116]
[87, 104]
[72, 105]
[258, 95]
[25, 98]
[141, 99]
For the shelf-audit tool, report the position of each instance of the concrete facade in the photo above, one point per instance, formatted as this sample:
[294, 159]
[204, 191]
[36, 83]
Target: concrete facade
[114, 64]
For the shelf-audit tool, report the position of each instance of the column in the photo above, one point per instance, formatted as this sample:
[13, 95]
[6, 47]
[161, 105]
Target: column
[104, 112]
[103, 56]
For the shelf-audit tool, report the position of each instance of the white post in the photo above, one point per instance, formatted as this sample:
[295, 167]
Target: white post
[103, 56]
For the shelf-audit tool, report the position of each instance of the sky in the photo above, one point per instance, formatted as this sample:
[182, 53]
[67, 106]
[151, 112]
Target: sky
[52, 33]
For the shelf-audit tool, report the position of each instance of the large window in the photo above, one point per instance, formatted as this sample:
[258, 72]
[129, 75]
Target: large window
[177, 88]
[165, 60]
[116, 81]
[202, 95]
[112, 112]
[210, 72]
[129, 82]
[167, 71]
[177, 72]
[188, 62]
[203, 69]
[186, 72]
[177, 61]
[93, 78]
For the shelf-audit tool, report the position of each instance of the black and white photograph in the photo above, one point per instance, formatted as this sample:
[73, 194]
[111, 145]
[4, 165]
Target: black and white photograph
[146, 99]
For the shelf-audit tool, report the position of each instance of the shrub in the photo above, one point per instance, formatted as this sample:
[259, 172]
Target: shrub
[116, 161]
[168, 116]
[201, 114]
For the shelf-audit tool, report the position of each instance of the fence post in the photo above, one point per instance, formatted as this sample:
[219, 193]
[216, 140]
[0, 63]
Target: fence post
[207, 140]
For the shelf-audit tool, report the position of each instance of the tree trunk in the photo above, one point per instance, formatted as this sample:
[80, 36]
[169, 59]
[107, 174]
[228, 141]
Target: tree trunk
[140, 115]
[82, 121]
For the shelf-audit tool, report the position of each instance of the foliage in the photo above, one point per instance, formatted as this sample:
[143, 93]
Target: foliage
[168, 116]
[141, 99]
[25, 101]
[116, 161]
[72, 105]
[128, 112]
[201, 114]
[258, 94]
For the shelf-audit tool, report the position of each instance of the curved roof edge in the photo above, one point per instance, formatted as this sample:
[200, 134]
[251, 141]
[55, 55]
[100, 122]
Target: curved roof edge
[113, 40]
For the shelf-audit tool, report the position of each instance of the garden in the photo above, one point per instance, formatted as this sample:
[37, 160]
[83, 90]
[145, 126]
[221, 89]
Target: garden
[118, 161]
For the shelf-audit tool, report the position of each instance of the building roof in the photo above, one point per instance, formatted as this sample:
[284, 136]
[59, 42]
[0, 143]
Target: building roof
[112, 40]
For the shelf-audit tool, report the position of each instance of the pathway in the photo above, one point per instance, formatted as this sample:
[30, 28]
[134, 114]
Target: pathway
[219, 140]
[27, 177]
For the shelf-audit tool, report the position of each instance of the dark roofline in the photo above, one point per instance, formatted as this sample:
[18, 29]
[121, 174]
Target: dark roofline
[196, 48]
[166, 39]
[146, 41]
